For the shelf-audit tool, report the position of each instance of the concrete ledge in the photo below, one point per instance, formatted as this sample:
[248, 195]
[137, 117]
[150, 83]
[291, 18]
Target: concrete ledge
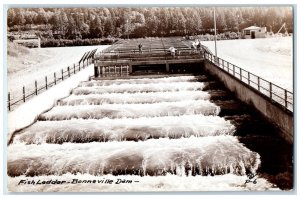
[272, 111]
[147, 62]
[27, 113]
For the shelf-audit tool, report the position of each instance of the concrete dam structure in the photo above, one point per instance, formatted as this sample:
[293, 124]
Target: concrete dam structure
[273, 102]
[165, 120]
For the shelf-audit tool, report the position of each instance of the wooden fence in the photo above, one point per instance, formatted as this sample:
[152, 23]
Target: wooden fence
[38, 87]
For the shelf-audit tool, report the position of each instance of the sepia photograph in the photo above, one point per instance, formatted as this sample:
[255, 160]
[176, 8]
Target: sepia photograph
[149, 98]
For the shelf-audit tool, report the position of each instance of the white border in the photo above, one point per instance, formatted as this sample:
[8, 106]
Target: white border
[145, 2]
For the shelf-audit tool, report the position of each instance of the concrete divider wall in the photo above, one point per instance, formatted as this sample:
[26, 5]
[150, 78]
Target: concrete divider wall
[273, 112]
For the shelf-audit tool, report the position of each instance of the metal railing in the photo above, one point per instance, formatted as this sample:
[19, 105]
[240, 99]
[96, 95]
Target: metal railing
[154, 54]
[272, 91]
[38, 86]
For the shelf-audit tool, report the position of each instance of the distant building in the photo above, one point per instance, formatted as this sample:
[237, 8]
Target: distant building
[253, 32]
[30, 41]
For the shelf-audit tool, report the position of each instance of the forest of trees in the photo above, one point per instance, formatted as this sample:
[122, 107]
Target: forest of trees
[88, 23]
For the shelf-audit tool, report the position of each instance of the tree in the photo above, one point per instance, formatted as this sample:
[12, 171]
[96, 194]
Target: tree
[221, 22]
[42, 17]
[28, 18]
[194, 23]
[96, 30]
[231, 20]
[55, 21]
[108, 28]
[11, 14]
[71, 28]
[63, 18]
[207, 20]
[152, 23]
[19, 18]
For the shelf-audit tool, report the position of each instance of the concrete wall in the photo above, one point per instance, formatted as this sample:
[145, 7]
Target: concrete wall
[275, 114]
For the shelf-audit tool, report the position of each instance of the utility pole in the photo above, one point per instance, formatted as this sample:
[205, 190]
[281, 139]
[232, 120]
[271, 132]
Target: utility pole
[215, 24]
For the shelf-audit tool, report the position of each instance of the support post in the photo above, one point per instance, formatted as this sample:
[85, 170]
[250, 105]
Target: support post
[55, 78]
[234, 70]
[101, 70]
[248, 78]
[24, 94]
[46, 82]
[223, 64]
[62, 74]
[8, 101]
[35, 84]
[228, 67]
[167, 67]
[96, 71]
[270, 85]
[74, 69]
[241, 77]
[130, 68]
[69, 71]
[285, 98]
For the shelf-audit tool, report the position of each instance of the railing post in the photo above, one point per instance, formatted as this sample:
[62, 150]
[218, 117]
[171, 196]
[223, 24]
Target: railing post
[74, 69]
[8, 101]
[223, 63]
[258, 83]
[270, 85]
[285, 98]
[54, 78]
[36, 91]
[69, 71]
[79, 65]
[241, 77]
[24, 94]
[234, 70]
[46, 82]
[228, 67]
[62, 74]
[248, 78]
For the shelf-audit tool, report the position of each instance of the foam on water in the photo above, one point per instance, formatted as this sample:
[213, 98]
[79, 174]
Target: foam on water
[188, 107]
[135, 88]
[81, 131]
[137, 81]
[106, 129]
[210, 155]
[133, 98]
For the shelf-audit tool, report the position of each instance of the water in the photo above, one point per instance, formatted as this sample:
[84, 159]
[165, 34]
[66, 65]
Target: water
[169, 134]
[143, 128]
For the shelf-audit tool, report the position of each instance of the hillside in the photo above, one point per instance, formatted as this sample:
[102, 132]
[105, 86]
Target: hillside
[26, 65]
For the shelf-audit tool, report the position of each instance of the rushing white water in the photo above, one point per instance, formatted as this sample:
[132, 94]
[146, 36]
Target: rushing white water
[133, 98]
[189, 107]
[184, 156]
[134, 88]
[140, 81]
[81, 131]
[162, 132]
